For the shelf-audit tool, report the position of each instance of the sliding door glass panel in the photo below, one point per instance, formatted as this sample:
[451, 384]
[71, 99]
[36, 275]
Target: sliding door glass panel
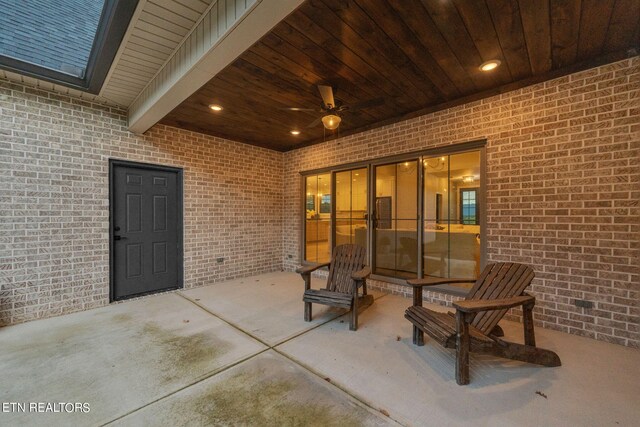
[396, 222]
[383, 226]
[451, 232]
[464, 231]
[351, 207]
[435, 238]
[318, 218]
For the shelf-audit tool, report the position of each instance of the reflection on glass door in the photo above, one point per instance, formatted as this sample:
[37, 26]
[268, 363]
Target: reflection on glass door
[317, 218]
[395, 234]
[451, 212]
[351, 207]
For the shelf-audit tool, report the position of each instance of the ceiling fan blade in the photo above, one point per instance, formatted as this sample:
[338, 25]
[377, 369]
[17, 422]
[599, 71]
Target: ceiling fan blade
[315, 123]
[298, 109]
[365, 104]
[326, 92]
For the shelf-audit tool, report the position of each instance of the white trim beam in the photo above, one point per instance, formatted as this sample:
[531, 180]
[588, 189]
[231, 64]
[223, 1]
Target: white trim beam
[224, 32]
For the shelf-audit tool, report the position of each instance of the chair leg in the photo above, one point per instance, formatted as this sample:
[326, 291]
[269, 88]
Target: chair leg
[354, 313]
[527, 320]
[418, 336]
[462, 349]
[307, 312]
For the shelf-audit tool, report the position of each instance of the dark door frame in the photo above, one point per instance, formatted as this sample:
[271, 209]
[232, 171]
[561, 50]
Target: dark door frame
[180, 219]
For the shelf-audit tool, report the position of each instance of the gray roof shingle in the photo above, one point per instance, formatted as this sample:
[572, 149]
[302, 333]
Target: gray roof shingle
[56, 34]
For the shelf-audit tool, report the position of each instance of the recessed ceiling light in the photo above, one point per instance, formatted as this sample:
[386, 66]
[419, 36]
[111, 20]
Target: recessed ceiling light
[295, 132]
[215, 107]
[490, 65]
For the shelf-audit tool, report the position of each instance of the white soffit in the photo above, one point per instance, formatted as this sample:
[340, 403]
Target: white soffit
[225, 31]
[157, 29]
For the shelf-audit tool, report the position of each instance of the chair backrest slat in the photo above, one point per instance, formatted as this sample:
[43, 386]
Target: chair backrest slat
[498, 280]
[346, 260]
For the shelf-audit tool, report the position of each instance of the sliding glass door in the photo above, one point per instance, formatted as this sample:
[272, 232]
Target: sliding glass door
[395, 231]
[421, 216]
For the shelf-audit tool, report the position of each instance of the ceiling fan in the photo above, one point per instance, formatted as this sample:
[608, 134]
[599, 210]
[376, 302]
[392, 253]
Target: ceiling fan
[331, 108]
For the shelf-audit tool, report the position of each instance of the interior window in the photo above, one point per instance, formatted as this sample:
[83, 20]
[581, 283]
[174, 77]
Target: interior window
[469, 206]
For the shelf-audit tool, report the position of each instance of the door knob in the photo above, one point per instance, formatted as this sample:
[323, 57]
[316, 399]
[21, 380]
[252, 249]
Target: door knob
[118, 237]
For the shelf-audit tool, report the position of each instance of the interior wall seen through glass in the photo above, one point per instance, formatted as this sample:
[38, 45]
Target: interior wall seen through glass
[351, 207]
[396, 210]
[451, 235]
[318, 218]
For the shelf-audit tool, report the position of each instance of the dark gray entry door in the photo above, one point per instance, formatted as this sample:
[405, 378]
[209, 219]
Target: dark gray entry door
[146, 217]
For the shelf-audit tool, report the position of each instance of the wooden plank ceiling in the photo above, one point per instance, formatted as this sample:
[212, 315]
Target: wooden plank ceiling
[420, 56]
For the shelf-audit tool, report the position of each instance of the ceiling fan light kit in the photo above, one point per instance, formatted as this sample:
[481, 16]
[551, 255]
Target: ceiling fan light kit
[330, 108]
[331, 121]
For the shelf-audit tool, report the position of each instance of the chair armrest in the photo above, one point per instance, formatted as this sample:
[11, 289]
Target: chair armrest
[362, 274]
[474, 306]
[418, 284]
[310, 268]
[433, 281]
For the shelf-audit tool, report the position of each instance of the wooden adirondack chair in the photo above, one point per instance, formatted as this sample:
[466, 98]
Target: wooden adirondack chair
[475, 324]
[347, 274]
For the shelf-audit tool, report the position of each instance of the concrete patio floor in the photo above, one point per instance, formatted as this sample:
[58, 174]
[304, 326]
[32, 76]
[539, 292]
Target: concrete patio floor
[238, 353]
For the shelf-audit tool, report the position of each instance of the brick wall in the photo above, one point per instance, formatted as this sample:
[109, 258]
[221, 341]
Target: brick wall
[563, 190]
[54, 153]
